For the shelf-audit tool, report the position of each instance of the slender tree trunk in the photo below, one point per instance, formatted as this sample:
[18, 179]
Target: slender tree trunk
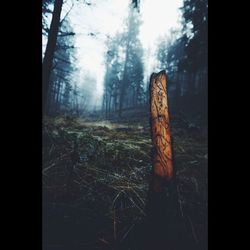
[191, 82]
[77, 107]
[103, 102]
[50, 49]
[52, 98]
[177, 97]
[115, 100]
[137, 96]
[106, 105]
[109, 106]
[58, 95]
[122, 94]
[124, 81]
[160, 131]
[49, 103]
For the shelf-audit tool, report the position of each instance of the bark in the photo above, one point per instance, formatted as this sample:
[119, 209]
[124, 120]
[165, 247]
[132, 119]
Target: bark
[109, 105]
[160, 130]
[122, 95]
[115, 102]
[124, 81]
[57, 96]
[50, 48]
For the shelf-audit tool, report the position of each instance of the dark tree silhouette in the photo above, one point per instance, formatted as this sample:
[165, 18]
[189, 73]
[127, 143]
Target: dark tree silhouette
[50, 49]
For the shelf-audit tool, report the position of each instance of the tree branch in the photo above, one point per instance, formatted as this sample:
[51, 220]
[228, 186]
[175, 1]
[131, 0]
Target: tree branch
[64, 71]
[66, 15]
[66, 34]
[58, 47]
[63, 60]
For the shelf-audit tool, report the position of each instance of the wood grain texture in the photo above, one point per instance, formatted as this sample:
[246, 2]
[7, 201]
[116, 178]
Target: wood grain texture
[160, 129]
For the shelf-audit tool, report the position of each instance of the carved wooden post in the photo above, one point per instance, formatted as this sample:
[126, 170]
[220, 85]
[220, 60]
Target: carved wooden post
[160, 131]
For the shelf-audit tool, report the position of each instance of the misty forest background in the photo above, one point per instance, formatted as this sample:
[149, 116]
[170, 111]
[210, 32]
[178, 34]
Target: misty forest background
[97, 148]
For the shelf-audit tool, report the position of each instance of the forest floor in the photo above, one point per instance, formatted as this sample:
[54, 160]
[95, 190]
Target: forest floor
[96, 177]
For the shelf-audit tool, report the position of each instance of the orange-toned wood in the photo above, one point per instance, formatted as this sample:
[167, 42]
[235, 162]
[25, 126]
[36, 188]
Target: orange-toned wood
[160, 129]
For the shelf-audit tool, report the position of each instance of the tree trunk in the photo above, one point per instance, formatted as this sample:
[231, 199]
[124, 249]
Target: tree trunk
[50, 49]
[115, 101]
[124, 80]
[110, 100]
[122, 94]
[106, 104]
[160, 131]
[57, 96]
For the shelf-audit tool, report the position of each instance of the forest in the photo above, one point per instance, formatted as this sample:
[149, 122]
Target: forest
[98, 59]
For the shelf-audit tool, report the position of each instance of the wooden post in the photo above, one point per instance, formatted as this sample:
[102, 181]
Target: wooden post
[160, 131]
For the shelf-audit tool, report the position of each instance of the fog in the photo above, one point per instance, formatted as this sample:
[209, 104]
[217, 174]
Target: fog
[97, 22]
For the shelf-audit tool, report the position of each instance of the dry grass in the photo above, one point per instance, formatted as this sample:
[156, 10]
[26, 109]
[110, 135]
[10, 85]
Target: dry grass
[101, 170]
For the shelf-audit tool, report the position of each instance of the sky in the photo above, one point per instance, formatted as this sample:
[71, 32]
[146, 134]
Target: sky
[105, 18]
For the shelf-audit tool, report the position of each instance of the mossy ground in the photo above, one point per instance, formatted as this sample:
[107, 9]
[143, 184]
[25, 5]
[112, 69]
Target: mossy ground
[96, 177]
